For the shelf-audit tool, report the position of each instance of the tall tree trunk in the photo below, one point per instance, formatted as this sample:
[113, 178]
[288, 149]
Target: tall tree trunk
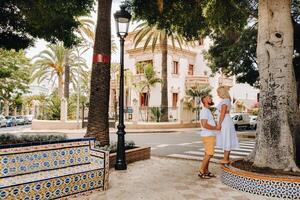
[164, 85]
[60, 86]
[67, 76]
[6, 107]
[98, 125]
[277, 127]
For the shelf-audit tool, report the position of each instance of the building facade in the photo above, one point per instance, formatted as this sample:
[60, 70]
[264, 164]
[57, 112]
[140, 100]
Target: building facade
[186, 68]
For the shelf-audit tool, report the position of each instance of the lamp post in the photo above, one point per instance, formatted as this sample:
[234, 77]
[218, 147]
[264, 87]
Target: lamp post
[122, 18]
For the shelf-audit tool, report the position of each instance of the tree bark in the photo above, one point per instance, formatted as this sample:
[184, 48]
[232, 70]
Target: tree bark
[60, 86]
[67, 76]
[6, 107]
[98, 125]
[164, 85]
[277, 127]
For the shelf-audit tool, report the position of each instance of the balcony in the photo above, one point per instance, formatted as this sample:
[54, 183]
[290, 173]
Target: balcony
[226, 81]
[191, 81]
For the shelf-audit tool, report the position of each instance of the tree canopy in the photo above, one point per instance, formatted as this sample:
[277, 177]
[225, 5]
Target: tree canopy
[232, 25]
[23, 21]
[14, 73]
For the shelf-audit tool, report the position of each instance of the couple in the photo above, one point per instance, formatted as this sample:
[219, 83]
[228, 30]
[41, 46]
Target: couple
[222, 134]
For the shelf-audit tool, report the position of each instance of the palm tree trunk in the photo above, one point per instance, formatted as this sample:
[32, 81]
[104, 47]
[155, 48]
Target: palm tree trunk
[60, 86]
[67, 76]
[278, 126]
[98, 125]
[164, 85]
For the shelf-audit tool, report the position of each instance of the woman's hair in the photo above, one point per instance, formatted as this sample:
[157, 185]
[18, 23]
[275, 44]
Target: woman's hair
[223, 92]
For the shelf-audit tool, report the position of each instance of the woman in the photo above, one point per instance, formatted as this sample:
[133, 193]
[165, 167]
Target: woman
[227, 138]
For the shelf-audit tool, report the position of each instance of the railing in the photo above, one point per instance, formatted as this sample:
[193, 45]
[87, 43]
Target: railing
[154, 114]
[226, 81]
[191, 81]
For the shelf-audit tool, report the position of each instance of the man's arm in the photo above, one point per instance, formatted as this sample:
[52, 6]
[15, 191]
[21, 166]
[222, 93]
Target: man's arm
[206, 125]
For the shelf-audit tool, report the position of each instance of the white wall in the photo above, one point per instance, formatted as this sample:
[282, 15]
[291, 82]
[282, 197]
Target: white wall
[176, 83]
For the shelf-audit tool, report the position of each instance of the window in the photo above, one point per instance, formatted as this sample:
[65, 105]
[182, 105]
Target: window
[205, 73]
[191, 70]
[174, 100]
[143, 99]
[175, 67]
[240, 118]
[140, 66]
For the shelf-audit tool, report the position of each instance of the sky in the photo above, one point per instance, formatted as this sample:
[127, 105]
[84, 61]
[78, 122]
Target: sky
[40, 45]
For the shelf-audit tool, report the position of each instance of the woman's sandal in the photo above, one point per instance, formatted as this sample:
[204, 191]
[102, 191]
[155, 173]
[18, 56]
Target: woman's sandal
[203, 175]
[211, 175]
[224, 162]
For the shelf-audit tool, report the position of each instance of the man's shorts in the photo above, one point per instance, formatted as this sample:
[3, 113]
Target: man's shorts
[209, 143]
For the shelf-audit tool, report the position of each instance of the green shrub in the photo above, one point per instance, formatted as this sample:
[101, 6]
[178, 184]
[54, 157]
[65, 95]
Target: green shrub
[13, 139]
[112, 148]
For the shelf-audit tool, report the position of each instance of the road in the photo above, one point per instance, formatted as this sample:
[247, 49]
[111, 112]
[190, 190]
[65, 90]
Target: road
[182, 144]
[185, 145]
[14, 128]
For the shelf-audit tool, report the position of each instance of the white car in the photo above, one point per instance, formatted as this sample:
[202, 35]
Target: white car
[253, 122]
[241, 120]
[3, 121]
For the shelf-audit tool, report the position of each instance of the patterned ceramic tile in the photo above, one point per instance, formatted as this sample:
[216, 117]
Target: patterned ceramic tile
[52, 171]
[269, 188]
[22, 163]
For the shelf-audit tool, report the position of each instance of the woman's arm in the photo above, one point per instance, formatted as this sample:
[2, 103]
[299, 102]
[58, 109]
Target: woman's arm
[222, 113]
[204, 123]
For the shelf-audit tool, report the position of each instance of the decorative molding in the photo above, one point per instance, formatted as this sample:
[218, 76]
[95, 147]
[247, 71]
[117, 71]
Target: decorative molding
[139, 51]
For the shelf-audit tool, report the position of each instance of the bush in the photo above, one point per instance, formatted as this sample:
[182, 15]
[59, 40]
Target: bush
[112, 148]
[13, 139]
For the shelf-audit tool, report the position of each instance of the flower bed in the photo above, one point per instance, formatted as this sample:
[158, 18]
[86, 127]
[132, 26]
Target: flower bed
[271, 185]
[25, 139]
[132, 155]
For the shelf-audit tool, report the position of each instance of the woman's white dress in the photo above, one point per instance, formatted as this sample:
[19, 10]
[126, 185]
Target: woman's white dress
[226, 139]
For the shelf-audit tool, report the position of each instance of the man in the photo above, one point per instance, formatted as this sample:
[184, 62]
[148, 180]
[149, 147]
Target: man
[208, 136]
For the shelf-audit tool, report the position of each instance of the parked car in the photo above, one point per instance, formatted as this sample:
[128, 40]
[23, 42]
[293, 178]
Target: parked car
[11, 121]
[253, 122]
[28, 119]
[241, 120]
[3, 121]
[20, 120]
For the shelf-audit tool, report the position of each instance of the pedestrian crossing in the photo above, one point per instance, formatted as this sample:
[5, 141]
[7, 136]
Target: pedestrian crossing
[245, 149]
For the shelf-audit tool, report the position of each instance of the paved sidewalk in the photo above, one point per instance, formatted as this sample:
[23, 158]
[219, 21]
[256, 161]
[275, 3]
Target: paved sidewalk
[167, 179]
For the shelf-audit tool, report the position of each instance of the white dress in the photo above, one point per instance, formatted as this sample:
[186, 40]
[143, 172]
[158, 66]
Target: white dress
[226, 139]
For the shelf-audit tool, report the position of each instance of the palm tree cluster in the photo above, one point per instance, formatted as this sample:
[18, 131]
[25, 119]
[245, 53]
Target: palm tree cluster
[50, 65]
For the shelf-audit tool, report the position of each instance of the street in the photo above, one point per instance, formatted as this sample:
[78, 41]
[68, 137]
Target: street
[181, 144]
[185, 145]
[14, 128]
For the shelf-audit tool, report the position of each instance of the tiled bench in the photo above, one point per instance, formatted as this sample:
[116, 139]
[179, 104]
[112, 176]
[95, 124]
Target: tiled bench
[51, 170]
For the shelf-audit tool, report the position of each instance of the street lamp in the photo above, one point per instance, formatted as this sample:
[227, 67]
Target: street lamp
[122, 18]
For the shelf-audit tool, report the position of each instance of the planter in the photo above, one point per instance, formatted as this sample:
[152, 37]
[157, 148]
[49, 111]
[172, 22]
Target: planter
[284, 187]
[132, 155]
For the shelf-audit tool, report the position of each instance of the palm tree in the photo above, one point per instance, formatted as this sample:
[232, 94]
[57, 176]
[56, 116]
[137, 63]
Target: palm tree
[98, 125]
[86, 32]
[50, 64]
[193, 96]
[155, 35]
[150, 81]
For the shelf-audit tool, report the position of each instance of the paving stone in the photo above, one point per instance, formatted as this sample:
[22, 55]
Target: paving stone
[167, 179]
